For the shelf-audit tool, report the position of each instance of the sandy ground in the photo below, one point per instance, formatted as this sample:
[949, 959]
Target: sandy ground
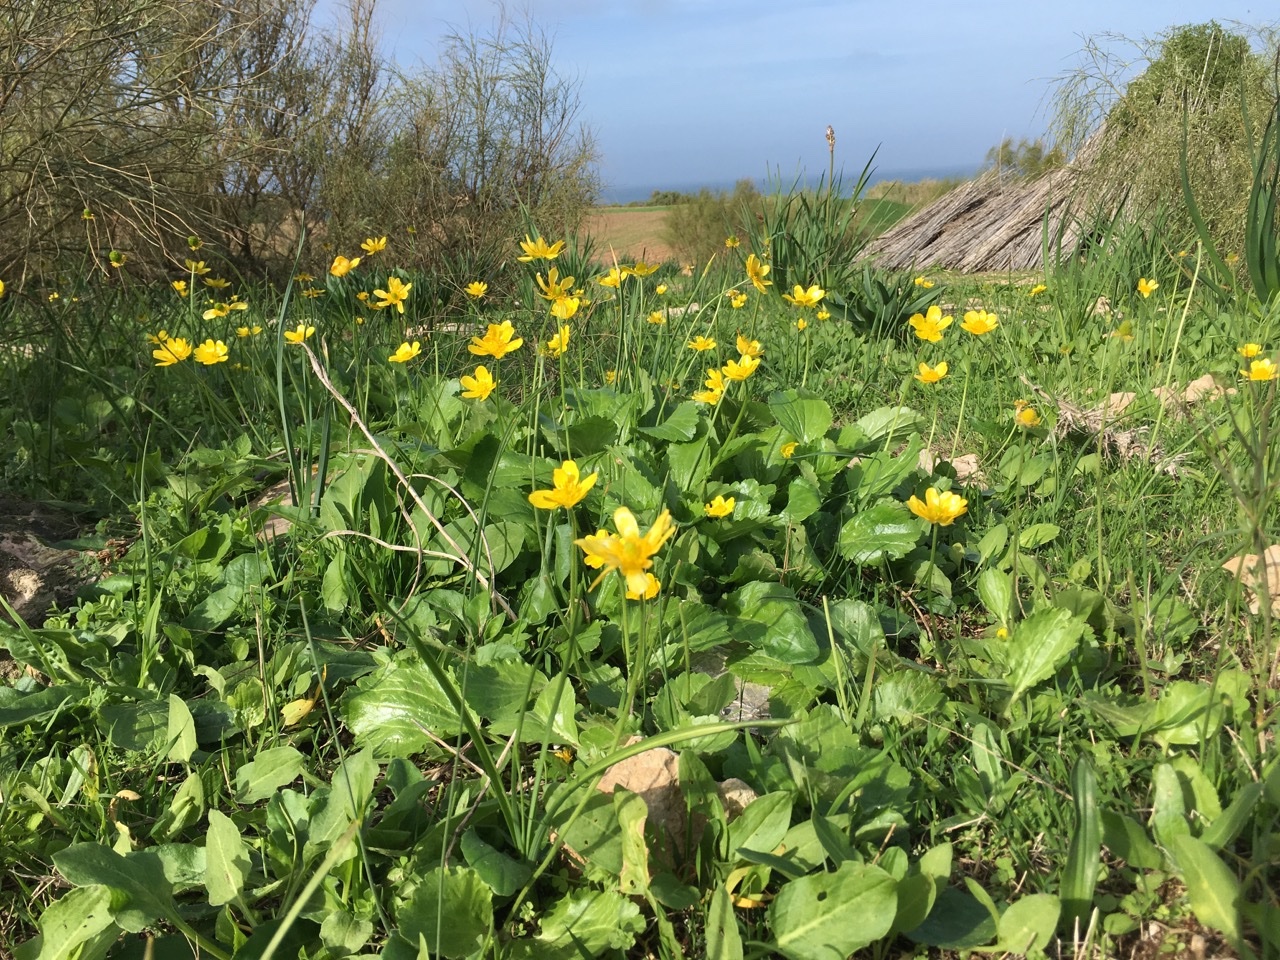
[628, 234]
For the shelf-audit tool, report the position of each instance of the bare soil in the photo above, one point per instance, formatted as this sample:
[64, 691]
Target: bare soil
[627, 234]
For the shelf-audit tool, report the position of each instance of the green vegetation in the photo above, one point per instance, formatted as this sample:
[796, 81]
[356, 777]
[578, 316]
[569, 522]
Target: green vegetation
[540, 609]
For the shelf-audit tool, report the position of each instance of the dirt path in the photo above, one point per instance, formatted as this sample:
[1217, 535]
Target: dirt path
[628, 234]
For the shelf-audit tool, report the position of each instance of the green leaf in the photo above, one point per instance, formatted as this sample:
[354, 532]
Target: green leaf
[1040, 645]
[1037, 535]
[803, 500]
[1231, 822]
[787, 636]
[762, 825]
[19, 707]
[885, 530]
[145, 894]
[882, 422]
[138, 727]
[632, 812]
[395, 708]
[1080, 872]
[226, 860]
[995, 590]
[1212, 889]
[829, 915]
[181, 734]
[584, 924]
[451, 909]
[724, 941]
[503, 874]
[680, 427]
[1028, 925]
[79, 925]
[957, 922]
[806, 419]
[267, 772]
[690, 463]
[1128, 840]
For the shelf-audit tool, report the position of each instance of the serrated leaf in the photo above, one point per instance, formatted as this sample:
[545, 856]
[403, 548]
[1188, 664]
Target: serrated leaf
[1039, 647]
[805, 419]
[451, 909]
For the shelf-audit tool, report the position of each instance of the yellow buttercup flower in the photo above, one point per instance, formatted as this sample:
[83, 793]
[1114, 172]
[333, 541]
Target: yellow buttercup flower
[553, 288]
[395, 295]
[923, 282]
[477, 289]
[362, 296]
[198, 268]
[1259, 370]
[1025, 415]
[789, 449]
[731, 241]
[117, 259]
[660, 289]
[939, 507]
[824, 314]
[558, 344]
[405, 352]
[715, 387]
[298, 278]
[171, 351]
[802, 324]
[372, 245]
[568, 488]
[216, 283]
[741, 368]
[1038, 289]
[565, 308]
[341, 266]
[1, 288]
[539, 249]
[652, 586]
[610, 377]
[54, 295]
[930, 374]
[979, 322]
[1249, 350]
[801, 297]
[302, 332]
[160, 337]
[211, 352]
[499, 340]
[749, 348]
[719, 506]
[180, 286]
[312, 292]
[1147, 287]
[702, 343]
[929, 326]
[216, 311]
[756, 273]
[478, 387]
[738, 301]
[614, 277]
[248, 331]
[642, 269]
[656, 318]
[628, 551]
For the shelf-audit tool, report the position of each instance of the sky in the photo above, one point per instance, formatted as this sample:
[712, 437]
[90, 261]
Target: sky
[681, 93]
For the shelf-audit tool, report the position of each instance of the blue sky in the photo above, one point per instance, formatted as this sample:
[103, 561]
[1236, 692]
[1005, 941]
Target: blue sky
[681, 92]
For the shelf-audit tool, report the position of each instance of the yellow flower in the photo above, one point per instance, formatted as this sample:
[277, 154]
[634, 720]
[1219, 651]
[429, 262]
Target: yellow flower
[1263, 369]
[565, 308]
[194, 243]
[372, 245]
[652, 586]
[979, 322]
[405, 352]
[86, 214]
[1123, 332]
[1147, 287]
[1232, 259]
[642, 269]
[702, 343]
[477, 289]
[930, 374]
[660, 289]
[1038, 289]
[756, 273]
[395, 295]
[478, 387]
[1002, 633]
[567, 488]
[211, 352]
[539, 250]
[497, 342]
[216, 311]
[715, 387]
[939, 508]
[738, 301]
[805, 298]
[628, 551]
[180, 286]
[923, 282]
[749, 348]
[171, 351]
[930, 325]
[216, 283]
[554, 288]
[657, 318]
[741, 368]
[824, 314]
[117, 259]
[341, 266]
[802, 324]
[614, 277]
[54, 296]
[731, 241]
[1, 288]
[197, 267]
[160, 337]
[1249, 350]
[1025, 415]
[301, 333]
[248, 331]
[789, 449]
[611, 377]
[719, 506]
[300, 278]
[558, 344]
[1181, 254]
[312, 292]
[362, 296]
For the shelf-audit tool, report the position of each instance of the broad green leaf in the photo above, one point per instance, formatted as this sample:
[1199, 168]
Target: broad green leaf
[882, 422]
[907, 697]
[1038, 535]
[724, 941]
[1039, 647]
[78, 925]
[1128, 840]
[885, 530]
[995, 590]
[632, 813]
[1168, 806]
[145, 895]
[394, 709]
[139, 727]
[451, 909]
[805, 419]
[550, 719]
[181, 734]
[1028, 925]
[267, 772]
[1080, 872]
[803, 500]
[680, 427]
[957, 922]
[504, 875]
[787, 636]
[690, 463]
[20, 707]
[1231, 823]
[226, 860]
[1212, 889]
[583, 924]
[762, 825]
[828, 915]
